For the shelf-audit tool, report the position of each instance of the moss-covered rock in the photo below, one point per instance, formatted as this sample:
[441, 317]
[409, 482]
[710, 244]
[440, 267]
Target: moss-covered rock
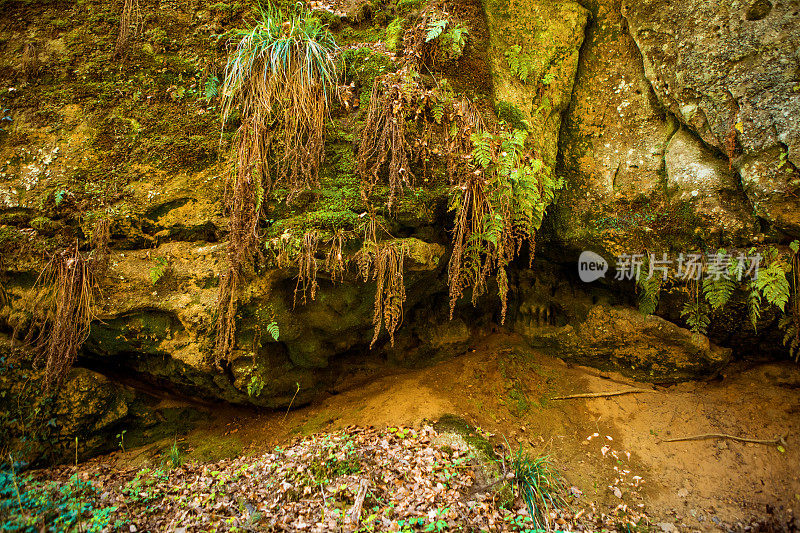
[533, 53]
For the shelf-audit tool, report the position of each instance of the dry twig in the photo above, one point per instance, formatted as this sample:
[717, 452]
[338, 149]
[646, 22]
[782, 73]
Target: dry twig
[601, 394]
[778, 441]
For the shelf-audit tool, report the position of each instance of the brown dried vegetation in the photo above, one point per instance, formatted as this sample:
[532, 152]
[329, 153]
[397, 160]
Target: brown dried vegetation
[130, 21]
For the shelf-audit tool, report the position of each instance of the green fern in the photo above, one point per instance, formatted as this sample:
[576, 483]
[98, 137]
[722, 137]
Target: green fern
[158, 270]
[435, 29]
[272, 329]
[482, 148]
[773, 284]
[453, 42]
[754, 305]
[649, 291]
[718, 288]
[255, 386]
[509, 194]
[438, 112]
[523, 65]
[791, 335]
[211, 88]
[696, 315]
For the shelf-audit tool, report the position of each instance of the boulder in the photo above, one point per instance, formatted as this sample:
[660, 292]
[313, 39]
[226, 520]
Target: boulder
[728, 71]
[644, 347]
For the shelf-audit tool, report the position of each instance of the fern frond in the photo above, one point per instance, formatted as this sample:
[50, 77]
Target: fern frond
[718, 291]
[791, 335]
[273, 330]
[773, 284]
[435, 29]
[649, 291]
[696, 315]
[754, 305]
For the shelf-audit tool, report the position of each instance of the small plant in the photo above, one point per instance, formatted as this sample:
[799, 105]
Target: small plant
[158, 270]
[255, 386]
[28, 506]
[211, 88]
[539, 486]
[435, 38]
[273, 330]
[121, 437]
[435, 29]
[438, 523]
[281, 76]
[498, 207]
[695, 313]
[61, 195]
[773, 284]
[175, 457]
[649, 288]
[718, 286]
[522, 65]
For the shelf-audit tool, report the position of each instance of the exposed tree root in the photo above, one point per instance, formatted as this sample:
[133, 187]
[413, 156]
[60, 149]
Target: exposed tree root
[602, 394]
[779, 441]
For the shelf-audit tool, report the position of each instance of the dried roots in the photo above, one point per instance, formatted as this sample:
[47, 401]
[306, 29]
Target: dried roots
[129, 24]
[63, 314]
[279, 76]
[383, 139]
[244, 198]
[307, 264]
[30, 61]
[383, 263]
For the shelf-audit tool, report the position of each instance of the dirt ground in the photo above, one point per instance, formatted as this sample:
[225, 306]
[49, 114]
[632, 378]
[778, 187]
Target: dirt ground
[613, 449]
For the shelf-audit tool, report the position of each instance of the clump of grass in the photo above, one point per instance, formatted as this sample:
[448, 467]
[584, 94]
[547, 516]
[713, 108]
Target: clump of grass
[539, 485]
[281, 76]
[174, 456]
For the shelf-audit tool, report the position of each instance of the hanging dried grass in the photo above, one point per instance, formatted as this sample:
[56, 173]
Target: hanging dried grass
[307, 268]
[390, 290]
[280, 77]
[129, 24]
[30, 61]
[335, 263]
[244, 196]
[382, 262]
[383, 139]
[63, 312]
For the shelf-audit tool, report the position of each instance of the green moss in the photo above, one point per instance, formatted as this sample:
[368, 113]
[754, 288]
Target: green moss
[394, 34]
[405, 6]
[510, 113]
[364, 64]
[333, 21]
[455, 424]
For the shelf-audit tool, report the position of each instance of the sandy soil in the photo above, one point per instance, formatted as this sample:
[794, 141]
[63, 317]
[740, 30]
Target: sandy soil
[612, 448]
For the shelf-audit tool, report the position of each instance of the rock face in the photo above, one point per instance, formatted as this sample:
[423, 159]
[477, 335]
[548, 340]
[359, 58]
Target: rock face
[674, 125]
[594, 324]
[707, 184]
[646, 168]
[548, 35]
[43, 425]
[729, 72]
[647, 347]
[612, 142]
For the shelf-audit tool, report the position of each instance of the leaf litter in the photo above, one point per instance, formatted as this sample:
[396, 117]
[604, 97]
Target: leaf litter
[356, 479]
